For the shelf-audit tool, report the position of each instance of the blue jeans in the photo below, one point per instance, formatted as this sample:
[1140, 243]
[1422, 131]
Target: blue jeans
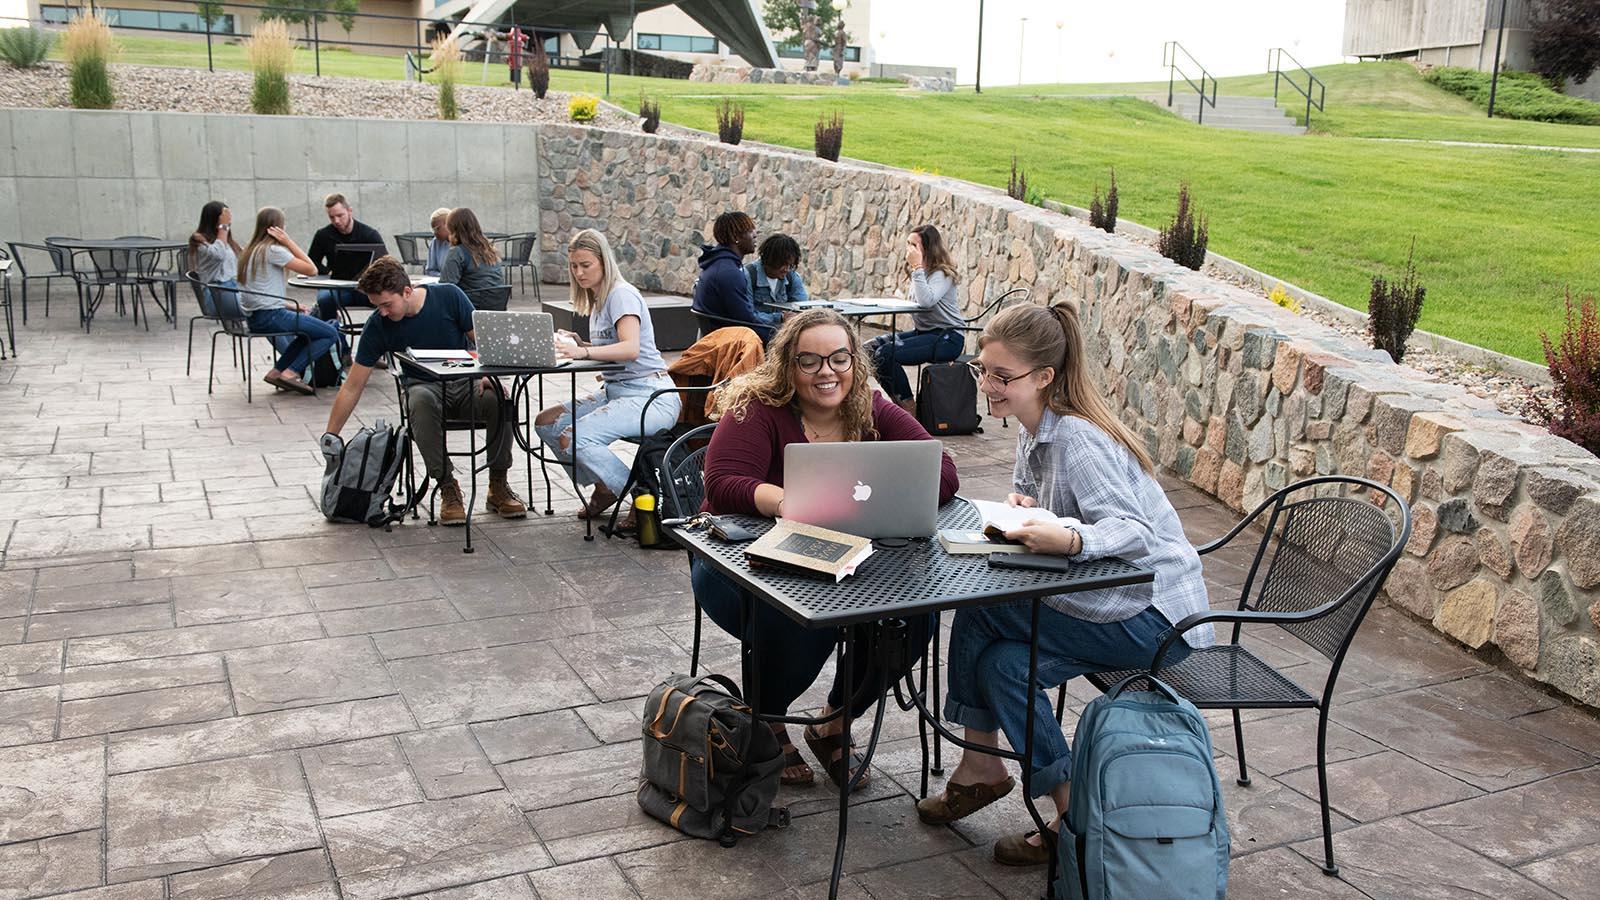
[911, 348]
[316, 338]
[330, 299]
[608, 415]
[789, 654]
[988, 672]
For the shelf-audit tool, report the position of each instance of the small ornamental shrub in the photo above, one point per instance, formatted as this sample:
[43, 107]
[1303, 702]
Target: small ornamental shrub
[1017, 187]
[539, 70]
[1574, 412]
[446, 58]
[1394, 307]
[1282, 298]
[25, 47]
[89, 47]
[830, 137]
[1519, 95]
[271, 52]
[583, 108]
[1103, 214]
[650, 111]
[1184, 241]
[730, 122]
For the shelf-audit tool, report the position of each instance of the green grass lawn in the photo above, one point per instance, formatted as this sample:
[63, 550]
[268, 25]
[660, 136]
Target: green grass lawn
[1501, 233]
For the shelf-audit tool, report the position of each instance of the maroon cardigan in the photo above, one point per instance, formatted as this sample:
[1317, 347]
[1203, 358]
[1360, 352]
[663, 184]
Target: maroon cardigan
[744, 455]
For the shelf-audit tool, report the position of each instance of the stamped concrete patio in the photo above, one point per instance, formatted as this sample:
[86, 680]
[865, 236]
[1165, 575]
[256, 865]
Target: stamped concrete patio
[206, 691]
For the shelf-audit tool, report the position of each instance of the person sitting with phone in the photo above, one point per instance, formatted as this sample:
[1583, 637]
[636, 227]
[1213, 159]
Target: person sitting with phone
[1074, 458]
[811, 387]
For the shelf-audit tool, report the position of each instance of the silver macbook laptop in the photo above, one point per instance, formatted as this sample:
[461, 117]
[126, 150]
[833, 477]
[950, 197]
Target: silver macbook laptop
[875, 489]
[514, 338]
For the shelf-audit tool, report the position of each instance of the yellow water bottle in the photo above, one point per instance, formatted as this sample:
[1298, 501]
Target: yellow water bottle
[646, 522]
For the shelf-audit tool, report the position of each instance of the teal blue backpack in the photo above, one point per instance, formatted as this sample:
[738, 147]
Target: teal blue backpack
[1145, 817]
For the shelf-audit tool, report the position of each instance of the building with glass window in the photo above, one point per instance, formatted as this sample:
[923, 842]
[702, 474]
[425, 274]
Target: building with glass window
[669, 31]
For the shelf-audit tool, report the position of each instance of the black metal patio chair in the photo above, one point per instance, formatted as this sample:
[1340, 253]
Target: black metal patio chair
[235, 324]
[5, 303]
[517, 253]
[38, 262]
[683, 489]
[413, 247]
[1326, 548]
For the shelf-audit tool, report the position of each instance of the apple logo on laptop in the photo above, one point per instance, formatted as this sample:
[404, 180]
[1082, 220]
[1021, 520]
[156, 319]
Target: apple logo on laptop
[516, 339]
[862, 492]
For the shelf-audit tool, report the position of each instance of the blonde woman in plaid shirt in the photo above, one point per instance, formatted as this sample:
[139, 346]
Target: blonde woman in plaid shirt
[1075, 459]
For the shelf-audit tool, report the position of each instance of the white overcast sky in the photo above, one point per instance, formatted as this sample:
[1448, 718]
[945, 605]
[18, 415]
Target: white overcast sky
[1102, 40]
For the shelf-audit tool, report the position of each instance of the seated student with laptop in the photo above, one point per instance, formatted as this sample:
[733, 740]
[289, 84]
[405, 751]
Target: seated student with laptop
[1074, 458]
[435, 317]
[811, 388]
[342, 231]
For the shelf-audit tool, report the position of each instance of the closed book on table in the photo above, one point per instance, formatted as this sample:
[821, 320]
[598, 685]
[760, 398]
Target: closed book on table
[960, 542]
[808, 550]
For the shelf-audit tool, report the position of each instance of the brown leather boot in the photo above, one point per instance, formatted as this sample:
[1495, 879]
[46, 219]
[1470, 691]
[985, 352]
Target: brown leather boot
[451, 510]
[502, 500]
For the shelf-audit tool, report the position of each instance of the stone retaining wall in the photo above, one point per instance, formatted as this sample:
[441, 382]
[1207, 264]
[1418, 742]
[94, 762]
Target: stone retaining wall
[1235, 395]
[747, 75]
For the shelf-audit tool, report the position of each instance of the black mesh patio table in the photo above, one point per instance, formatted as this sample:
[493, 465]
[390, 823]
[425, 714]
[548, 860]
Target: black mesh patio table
[900, 581]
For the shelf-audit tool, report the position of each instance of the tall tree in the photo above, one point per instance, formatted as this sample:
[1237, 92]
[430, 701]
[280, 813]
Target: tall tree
[1566, 39]
[344, 13]
[296, 12]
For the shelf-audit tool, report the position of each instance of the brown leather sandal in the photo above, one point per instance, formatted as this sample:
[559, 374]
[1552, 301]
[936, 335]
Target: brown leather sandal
[831, 751]
[1017, 850]
[961, 800]
[793, 760]
[598, 506]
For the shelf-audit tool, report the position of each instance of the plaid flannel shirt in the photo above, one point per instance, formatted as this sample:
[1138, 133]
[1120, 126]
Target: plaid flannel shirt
[1074, 469]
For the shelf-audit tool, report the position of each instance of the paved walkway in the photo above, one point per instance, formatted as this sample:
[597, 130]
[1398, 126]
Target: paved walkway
[206, 691]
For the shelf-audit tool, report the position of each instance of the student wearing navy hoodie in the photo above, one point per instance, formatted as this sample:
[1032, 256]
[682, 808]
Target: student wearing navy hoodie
[723, 290]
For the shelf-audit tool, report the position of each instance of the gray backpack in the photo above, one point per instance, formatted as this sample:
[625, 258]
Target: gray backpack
[360, 476]
[710, 769]
[1145, 817]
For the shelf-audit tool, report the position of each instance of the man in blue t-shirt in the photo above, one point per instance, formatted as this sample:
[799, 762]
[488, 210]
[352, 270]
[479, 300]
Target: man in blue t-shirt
[437, 317]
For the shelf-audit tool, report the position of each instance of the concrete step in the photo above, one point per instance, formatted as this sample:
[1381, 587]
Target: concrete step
[1238, 113]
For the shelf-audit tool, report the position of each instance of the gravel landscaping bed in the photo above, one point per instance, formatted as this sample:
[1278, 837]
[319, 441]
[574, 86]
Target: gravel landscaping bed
[228, 91]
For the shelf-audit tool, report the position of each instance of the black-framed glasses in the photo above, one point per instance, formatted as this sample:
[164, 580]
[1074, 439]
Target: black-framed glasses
[811, 363]
[984, 376]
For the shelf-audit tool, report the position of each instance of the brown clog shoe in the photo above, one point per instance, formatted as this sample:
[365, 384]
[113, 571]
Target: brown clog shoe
[1016, 850]
[961, 800]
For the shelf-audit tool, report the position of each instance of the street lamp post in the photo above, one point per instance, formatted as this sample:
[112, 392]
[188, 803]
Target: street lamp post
[977, 82]
[1022, 34]
[1494, 81]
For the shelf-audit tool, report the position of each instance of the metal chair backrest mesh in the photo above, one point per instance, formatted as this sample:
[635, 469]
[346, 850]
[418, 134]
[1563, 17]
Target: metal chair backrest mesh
[235, 320]
[1317, 549]
[201, 296]
[519, 248]
[683, 486]
[495, 299]
[413, 247]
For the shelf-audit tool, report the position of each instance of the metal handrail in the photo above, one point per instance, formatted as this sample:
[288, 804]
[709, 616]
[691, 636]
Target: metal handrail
[1169, 58]
[1313, 83]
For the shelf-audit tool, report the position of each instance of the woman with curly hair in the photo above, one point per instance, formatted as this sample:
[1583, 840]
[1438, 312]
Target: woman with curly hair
[811, 387]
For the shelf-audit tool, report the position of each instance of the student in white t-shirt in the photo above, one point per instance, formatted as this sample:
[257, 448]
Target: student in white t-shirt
[619, 331]
[263, 281]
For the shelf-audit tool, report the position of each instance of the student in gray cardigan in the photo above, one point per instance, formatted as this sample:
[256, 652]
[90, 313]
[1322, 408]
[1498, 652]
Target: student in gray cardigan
[472, 264]
[936, 322]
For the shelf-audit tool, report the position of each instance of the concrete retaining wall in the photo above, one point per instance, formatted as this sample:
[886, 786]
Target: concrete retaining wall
[1232, 393]
[105, 174]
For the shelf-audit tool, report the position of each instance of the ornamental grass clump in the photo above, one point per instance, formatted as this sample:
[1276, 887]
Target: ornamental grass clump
[271, 53]
[583, 108]
[1184, 241]
[1394, 307]
[730, 122]
[830, 137]
[1574, 412]
[539, 70]
[25, 48]
[649, 114]
[1017, 187]
[446, 58]
[89, 48]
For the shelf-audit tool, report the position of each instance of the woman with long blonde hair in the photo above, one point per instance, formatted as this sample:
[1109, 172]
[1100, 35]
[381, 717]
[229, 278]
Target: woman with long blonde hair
[263, 279]
[619, 331]
[811, 387]
[1075, 459]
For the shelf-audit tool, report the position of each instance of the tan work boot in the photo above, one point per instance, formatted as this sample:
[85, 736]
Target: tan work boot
[504, 501]
[451, 510]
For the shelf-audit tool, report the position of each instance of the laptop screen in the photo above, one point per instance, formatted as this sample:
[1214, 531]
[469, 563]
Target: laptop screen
[350, 260]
